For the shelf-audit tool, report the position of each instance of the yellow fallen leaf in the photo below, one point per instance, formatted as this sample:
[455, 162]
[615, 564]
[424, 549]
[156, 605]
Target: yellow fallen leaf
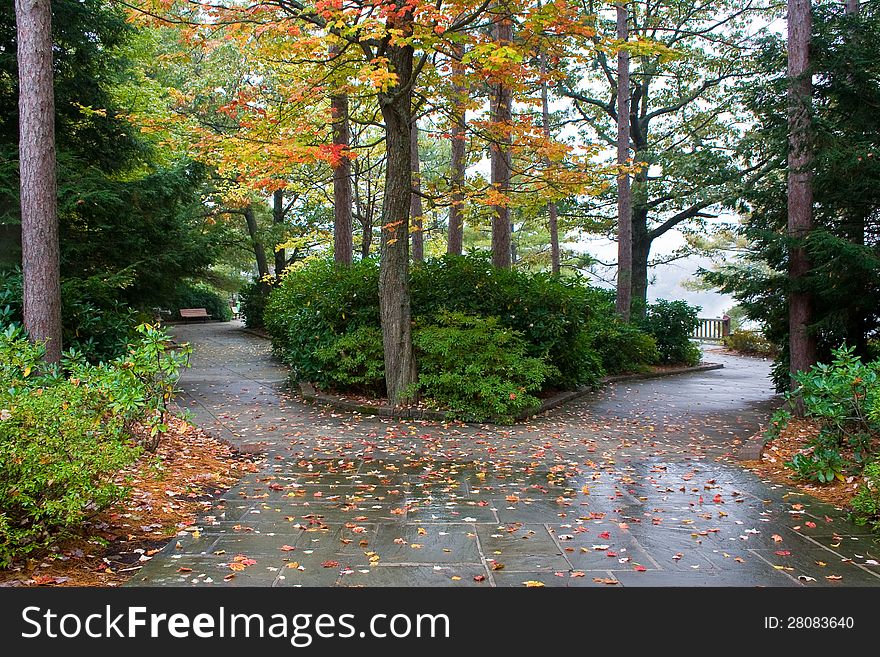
[532, 583]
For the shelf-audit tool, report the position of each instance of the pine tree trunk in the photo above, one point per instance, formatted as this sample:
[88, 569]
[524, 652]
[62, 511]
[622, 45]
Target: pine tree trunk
[802, 344]
[552, 212]
[502, 114]
[394, 298]
[415, 204]
[257, 245]
[39, 213]
[852, 7]
[278, 220]
[342, 229]
[624, 193]
[641, 253]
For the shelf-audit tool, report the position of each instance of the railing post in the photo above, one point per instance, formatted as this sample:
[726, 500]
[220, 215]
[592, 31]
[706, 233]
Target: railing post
[725, 326]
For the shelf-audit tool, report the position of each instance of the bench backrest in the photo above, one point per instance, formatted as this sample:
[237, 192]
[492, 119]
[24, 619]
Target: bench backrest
[193, 312]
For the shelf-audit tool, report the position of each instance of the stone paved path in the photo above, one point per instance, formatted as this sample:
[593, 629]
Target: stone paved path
[638, 484]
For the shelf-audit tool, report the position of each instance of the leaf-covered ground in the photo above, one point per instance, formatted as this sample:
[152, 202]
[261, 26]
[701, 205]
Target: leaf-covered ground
[169, 490]
[793, 439]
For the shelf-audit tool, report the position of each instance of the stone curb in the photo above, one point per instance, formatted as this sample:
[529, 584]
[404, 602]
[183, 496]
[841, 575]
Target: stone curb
[310, 394]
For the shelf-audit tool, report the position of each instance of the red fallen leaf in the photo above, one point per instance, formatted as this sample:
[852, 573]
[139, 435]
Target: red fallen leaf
[610, 554]
[184, 569]
[605, 535]
[639, 568]
[783, 553]
[827, 519]
[578, 573]
[287, 548]
[43, 580]
[717, 499]
[479, 578]
[330, 564]
[810, 524]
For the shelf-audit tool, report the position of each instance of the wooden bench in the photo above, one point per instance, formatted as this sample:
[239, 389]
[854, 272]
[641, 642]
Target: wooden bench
[187, 314]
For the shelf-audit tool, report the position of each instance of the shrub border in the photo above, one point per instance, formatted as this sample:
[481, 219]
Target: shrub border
[310, 394]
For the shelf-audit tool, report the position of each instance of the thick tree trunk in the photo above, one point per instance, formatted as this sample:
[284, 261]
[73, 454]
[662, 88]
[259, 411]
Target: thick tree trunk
[624, 193]
[39, 214]
[394, 299]
[852, 6]
[415, 203]
[502, 114]
[342, 237]
[802, 344]
[257, 244]
[552, 213]
[278, 220]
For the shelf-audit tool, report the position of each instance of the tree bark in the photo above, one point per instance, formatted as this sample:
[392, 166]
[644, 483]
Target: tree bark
[552, 212]
[415, 202]
[502, 114]
[39, 204]
[802, 344]
[852, 6]
[278, 220]
[457, 163]
[394, 296]
[641, 252]
[624, 193]
[342, 237]
[257, 244]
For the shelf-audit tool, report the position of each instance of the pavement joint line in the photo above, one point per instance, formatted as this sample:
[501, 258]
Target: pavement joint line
[837, 554]
[757, 554]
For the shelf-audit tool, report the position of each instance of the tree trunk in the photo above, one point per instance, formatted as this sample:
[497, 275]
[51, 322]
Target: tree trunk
[342, 238]
[278, 220]
[415, 202]
[259, 251]
[394, 299]
[641, 253]
[852, 6]
[502, 114]
[624, 193]
[802, 344]
[39, 205]
[552, 214]
[457, 163]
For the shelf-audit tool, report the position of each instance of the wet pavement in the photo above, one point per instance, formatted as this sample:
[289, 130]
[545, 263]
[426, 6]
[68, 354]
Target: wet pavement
[639, 484]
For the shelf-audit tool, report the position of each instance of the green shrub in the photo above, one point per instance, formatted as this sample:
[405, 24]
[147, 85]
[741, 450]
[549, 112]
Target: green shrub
[622, 347]
[254, 298]
[866, 503]
[64, 439]
[823, 465]
[672, 323]
[751, 343]
[355, 361]
[315, 304]
[200, 295]
[94, 323]
[842, 397]
[477, 368]
[548, 311]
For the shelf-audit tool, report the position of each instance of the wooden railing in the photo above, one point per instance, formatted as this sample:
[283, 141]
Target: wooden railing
[712, 329]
